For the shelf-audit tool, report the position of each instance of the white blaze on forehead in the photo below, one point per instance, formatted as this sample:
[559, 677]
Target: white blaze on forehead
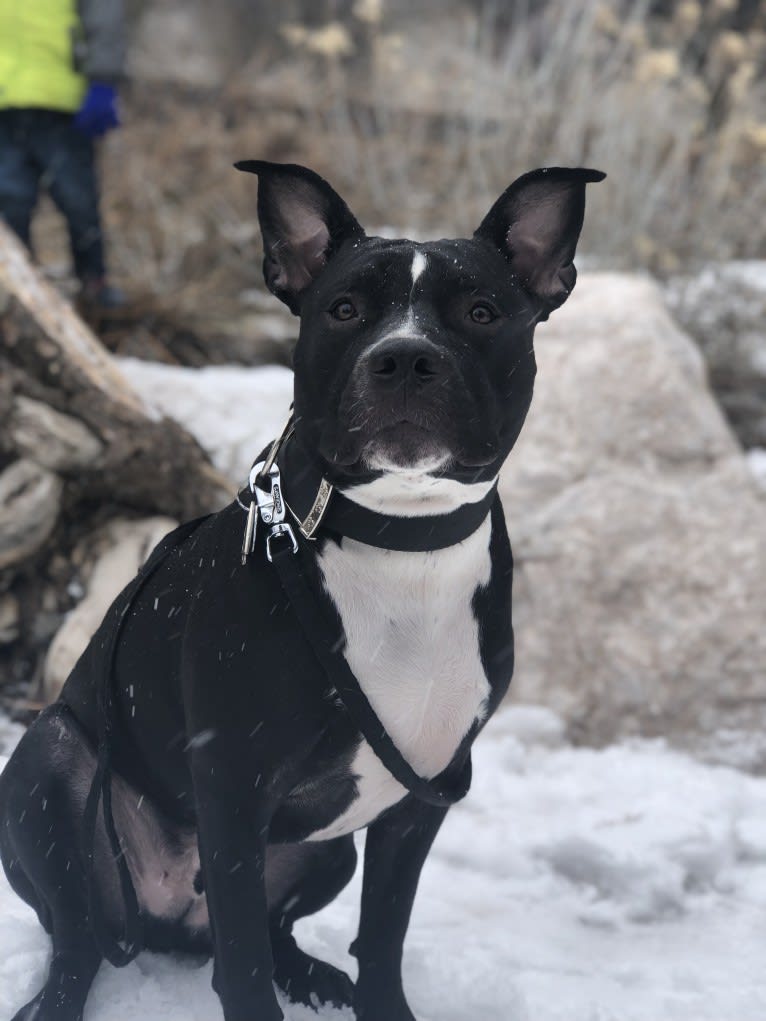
[419, 262]
[408, 327]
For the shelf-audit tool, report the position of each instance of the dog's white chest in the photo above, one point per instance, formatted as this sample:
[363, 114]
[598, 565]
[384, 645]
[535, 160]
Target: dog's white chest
[413, 644]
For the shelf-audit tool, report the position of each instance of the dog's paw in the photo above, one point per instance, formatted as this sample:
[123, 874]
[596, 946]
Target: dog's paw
[305, 979]
[330, 985]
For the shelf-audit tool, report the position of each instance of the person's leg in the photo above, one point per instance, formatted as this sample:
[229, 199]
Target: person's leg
[69, 174]
[18, 174]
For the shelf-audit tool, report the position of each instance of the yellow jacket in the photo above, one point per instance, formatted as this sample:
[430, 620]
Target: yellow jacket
[50, 48]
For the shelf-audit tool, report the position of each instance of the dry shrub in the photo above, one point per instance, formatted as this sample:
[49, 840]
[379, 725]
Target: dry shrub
[442, 112]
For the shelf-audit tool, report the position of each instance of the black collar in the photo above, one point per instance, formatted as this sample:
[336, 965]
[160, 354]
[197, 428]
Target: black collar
[318, 507]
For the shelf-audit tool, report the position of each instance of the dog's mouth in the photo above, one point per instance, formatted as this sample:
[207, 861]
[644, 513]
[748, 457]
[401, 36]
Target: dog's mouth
[405, 445]
[407, 441]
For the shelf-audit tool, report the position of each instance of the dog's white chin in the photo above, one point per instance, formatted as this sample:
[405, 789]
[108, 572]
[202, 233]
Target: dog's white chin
[413, 490]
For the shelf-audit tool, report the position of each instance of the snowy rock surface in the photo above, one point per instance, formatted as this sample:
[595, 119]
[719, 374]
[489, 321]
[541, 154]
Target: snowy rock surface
[624, 884]
[638, 527]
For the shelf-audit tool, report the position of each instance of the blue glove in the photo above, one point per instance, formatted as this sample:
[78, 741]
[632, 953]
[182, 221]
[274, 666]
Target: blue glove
[98, 113]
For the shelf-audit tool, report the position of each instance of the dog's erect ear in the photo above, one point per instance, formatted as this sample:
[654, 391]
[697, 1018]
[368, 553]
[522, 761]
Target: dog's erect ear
[536, 224]
[303, 222]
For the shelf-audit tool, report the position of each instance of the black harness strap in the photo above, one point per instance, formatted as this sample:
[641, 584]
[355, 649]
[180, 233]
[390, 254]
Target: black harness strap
[444, 790]
[101, 786]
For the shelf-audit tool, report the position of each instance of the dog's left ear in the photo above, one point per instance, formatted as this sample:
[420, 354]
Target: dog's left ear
[303, 221]
[536, 224]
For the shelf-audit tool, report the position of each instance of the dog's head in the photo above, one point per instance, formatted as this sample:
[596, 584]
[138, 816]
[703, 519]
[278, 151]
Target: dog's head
[416, 358]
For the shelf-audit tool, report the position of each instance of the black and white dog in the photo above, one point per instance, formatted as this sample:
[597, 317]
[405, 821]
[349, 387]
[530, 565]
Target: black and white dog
[239, 766]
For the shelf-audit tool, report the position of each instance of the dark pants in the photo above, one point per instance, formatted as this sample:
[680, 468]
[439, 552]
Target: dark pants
[44, 148]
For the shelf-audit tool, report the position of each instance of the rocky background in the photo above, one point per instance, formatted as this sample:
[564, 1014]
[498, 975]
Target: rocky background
[635, 498]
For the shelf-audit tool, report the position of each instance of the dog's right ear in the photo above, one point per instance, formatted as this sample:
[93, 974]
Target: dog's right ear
[303, 221]
[536, 224]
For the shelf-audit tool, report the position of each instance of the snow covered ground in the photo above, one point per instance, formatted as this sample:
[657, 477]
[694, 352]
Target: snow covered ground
[626, 884]
[232, 411]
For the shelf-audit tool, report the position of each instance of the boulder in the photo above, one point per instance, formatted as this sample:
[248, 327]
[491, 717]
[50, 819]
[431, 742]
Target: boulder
[126, 544]
[639, 531]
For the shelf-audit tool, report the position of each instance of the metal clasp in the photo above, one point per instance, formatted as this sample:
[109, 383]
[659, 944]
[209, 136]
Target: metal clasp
[271, 504]
[275, 533]
[248, 542]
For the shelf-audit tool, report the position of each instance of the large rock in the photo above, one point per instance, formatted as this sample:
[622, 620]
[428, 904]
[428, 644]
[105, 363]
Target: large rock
[639, 532]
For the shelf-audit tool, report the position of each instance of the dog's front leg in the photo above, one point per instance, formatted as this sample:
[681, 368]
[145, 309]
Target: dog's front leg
[397, 846]
[233, 819]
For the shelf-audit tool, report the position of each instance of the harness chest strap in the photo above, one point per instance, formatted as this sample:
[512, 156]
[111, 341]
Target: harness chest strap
[283, 551]
[445, 789]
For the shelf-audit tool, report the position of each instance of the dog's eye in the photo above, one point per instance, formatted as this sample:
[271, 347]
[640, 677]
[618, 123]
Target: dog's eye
[482, 314]
[343, 310]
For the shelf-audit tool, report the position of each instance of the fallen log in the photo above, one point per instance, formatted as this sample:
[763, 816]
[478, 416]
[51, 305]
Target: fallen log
[78, 446]
[51, 357]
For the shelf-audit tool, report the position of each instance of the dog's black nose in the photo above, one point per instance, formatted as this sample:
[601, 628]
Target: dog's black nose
[405, 359]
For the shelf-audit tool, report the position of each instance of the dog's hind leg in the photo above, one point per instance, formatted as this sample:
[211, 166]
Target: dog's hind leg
[22, 885]
[301, 879]
[40, 848]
